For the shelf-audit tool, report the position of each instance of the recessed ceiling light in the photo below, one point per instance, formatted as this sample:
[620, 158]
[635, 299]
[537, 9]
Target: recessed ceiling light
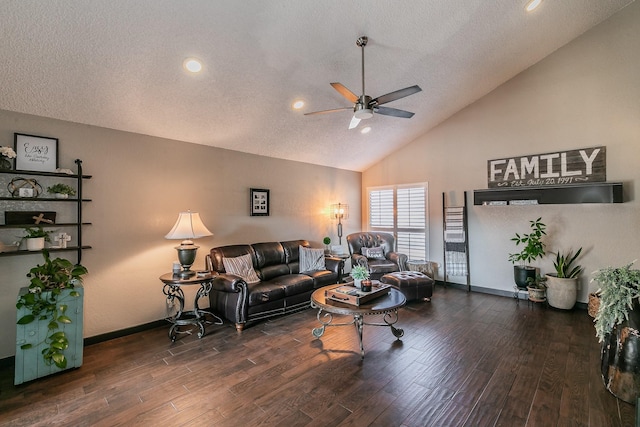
[297, 105]
[366, 129]
[192, 65]
[532, 5]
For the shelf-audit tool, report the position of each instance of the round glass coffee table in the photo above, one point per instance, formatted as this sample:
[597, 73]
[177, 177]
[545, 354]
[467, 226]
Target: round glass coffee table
[386, 305]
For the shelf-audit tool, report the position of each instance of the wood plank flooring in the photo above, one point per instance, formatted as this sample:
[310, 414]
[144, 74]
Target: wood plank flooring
[465, 360]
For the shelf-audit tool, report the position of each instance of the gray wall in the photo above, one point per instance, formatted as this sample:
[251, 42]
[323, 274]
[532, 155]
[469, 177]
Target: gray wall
[139, 185]
[585, 94]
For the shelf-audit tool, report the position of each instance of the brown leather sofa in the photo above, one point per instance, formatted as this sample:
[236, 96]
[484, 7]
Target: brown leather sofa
[389, 263]
[282, 288]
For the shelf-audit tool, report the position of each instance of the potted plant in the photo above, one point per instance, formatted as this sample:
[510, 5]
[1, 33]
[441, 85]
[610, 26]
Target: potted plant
[51, 284]
[35, 238]
[6, 154]
[327, 242]
[617, 322]
[61, 191]
[562, 286]
[537, 288]
[359, 273]
[533, 248]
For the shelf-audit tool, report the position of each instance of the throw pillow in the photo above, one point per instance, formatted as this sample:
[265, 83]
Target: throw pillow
[241, 266]
[311, 259]
[373, 253]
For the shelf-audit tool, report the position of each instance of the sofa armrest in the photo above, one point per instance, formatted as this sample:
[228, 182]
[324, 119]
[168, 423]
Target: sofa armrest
[399, 259]
[229, 283]
[357, 259]
[334, 264]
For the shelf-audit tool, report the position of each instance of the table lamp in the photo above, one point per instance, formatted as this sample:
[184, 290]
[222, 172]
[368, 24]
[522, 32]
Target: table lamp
[188, 226]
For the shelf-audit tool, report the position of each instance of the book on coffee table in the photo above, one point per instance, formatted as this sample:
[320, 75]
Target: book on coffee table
[354, 296]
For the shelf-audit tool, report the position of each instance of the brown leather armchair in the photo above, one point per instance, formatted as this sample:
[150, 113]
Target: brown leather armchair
[389, 262]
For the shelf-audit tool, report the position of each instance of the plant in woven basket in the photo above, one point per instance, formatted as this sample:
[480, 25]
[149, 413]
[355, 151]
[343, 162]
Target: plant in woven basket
[619, 287]
[44, 302]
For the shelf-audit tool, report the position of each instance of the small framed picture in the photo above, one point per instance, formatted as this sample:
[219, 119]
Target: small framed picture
[36, 153]
[259, 202]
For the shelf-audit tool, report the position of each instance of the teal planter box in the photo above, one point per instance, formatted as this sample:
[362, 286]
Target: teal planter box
[29, 363]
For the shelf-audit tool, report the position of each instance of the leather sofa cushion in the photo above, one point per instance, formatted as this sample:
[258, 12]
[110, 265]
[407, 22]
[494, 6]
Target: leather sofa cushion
[273, 271]
[278, 288]
[264, 292]
[295, 283]
[322, 278]
[382, 266]
[291, 251]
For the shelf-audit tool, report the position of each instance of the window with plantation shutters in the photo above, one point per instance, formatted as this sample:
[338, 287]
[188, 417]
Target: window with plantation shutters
[403, 212]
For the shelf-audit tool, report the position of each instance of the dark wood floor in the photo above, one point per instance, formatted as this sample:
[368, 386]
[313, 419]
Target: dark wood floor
[465, 360]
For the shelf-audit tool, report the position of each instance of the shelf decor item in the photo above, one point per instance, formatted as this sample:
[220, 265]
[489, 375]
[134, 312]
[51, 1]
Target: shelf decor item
[24, 187]
[35, 238]
[6, 154]
[36, 153]
[61, 191]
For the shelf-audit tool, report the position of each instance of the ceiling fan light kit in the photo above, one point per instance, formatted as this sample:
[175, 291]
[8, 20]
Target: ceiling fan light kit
[364, 106]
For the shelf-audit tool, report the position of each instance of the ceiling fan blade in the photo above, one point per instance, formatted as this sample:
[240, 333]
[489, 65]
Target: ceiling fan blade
[354, 122]
[386, 111]
[345, 92]
[329, 111]
[392, 96]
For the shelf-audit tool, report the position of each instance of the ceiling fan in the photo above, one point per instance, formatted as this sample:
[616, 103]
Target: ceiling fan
[364, 106]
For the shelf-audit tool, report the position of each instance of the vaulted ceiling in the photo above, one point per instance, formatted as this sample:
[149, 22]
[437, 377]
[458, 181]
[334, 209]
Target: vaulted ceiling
[119, 64]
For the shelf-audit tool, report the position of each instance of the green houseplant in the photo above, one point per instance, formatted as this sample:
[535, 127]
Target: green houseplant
[619, 289]
[50, 284]
[537, 288]
[327, 242]
[617, 322]
[532, 248]
[359, 273]
[61, 191]
[35, 237]
[562, 286]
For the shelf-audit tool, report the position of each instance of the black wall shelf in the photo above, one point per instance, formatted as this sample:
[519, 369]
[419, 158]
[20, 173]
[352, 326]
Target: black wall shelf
[605, 192]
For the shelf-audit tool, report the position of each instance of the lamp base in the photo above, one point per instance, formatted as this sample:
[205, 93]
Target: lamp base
[186, 274]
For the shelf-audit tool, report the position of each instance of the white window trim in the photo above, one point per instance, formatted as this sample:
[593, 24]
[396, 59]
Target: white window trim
[394, 230]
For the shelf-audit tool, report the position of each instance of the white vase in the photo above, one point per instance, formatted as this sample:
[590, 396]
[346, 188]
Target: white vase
[61, 196]
[357, 283]
[35, 243]
[561, 293]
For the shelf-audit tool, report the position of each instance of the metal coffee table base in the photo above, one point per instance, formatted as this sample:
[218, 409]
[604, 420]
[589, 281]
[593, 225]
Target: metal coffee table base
[389, 318]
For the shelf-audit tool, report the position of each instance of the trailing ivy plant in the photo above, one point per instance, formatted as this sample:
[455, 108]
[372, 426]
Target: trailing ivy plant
[43, 302]
[619, 287]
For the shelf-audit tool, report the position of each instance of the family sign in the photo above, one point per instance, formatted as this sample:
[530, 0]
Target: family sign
[560, 168]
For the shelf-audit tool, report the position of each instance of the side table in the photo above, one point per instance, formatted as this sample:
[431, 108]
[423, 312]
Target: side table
[172, 288]
[344, 257]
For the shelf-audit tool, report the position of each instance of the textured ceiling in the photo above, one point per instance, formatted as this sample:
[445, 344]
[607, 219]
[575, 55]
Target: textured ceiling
[118, 64]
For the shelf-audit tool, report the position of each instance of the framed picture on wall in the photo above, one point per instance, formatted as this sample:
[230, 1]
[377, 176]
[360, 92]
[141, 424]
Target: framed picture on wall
[259, 202]
[36, 153]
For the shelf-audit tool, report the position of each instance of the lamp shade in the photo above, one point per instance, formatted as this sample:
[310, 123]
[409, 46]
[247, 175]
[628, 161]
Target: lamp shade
[188, 226]
[339, 211]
